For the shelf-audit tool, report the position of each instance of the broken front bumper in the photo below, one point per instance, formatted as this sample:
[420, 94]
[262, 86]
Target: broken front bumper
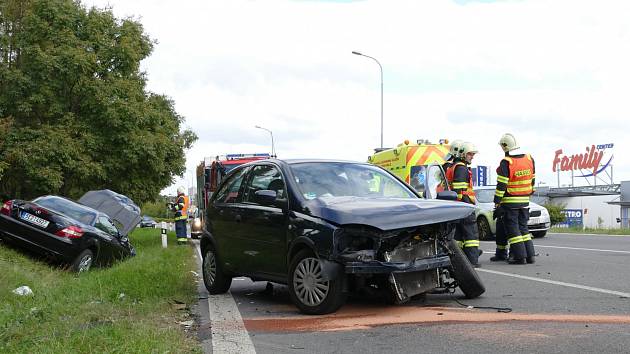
[378, 267]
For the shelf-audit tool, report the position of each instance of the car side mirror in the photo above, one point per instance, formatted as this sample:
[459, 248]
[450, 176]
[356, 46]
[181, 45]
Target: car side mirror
[266, 197]
[446, 195]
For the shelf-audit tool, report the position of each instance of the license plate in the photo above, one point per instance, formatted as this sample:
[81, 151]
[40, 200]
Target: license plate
[534, 221]
[34, 219]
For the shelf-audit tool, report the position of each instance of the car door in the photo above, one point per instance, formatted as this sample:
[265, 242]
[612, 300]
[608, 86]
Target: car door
[225, 215]
[265, 223]
[111, 247]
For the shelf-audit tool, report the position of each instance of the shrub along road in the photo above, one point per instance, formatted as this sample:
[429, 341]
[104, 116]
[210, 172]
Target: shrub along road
[135, 306]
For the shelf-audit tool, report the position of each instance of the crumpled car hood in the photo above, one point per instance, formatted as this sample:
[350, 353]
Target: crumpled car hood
[387, 213]
[117, 206]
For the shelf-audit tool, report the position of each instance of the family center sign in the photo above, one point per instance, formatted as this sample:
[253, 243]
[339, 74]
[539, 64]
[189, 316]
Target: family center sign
[590, 161]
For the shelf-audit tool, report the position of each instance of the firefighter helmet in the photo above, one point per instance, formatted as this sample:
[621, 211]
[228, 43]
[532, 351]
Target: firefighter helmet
[468, 148]
[508, 142]
[456, 147]
[181, 190]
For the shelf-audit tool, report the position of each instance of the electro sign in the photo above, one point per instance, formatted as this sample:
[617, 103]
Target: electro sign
[590, 160]
[573, 218]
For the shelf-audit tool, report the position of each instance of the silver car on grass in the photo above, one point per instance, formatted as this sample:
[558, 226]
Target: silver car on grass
[538, 224]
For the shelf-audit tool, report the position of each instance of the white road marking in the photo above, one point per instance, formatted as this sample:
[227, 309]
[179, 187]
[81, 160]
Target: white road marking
[570, 285]
[229, 334]
[574, 248]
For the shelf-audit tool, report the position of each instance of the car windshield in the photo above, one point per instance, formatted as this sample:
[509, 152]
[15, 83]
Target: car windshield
[67, 208]
[328, 179]
[485, 195]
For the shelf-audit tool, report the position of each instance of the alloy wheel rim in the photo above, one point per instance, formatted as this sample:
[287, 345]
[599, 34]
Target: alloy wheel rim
[308, 282]
[210, 267]
[85, 263]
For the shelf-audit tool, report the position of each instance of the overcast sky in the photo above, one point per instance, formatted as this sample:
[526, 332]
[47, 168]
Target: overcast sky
[553, 73]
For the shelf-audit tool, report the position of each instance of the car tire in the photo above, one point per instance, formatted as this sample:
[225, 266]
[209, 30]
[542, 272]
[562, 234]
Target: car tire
[214, 278]
[307, 289]
[83, 262]
[539, 234]
[466, 276]
[483, 226]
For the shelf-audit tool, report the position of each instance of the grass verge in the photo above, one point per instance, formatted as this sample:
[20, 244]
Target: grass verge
[126, 308]
[589, 230]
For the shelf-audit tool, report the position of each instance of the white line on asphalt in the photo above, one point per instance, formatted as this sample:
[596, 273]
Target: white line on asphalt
[229, 334]
[570, 285]
[579, 249]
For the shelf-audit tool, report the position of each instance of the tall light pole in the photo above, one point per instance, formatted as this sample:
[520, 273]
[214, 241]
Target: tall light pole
[273, 150]
[381, 67]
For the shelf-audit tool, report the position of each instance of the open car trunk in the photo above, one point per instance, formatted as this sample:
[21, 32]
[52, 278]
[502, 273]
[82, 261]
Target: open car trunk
[117, 206]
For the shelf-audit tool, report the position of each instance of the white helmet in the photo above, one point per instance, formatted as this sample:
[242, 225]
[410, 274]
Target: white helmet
[181, 190]
[456, 147]
[508, 142]
[467, 148]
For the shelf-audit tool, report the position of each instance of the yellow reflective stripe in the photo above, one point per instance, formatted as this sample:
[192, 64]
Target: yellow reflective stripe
[499, 193]
[183, 217]
[515, 200]
[520, 183]
[502, 179]
[521, 189]
[527, 237]
[471, 243]
[515, 239]
[180, 239]
[459, 196]
[508, 159]
[460, 185]
[502, 247]
[460, 244]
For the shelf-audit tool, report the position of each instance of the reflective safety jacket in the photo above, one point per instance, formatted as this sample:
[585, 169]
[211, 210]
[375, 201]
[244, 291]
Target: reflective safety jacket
[181, 208]
[460, 179]
[515, 181]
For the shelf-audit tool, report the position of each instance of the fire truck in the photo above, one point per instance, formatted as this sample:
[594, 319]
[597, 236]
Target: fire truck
[408, 161]
[210, 173]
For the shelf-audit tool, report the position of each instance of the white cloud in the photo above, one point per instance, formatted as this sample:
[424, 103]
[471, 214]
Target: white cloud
[555, 73]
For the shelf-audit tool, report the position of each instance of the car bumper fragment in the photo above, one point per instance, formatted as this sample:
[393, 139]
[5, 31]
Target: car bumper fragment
[377, 267]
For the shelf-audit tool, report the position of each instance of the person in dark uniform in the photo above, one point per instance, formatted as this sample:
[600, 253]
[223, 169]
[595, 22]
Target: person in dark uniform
[515, 183]
[460, 176]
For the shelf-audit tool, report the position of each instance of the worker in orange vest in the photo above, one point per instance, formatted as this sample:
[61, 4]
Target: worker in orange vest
[515, 183]
[459, 175]
[181, 215]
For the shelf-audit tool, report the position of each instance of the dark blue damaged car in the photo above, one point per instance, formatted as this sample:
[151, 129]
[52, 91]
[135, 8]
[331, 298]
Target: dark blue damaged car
[330, 228]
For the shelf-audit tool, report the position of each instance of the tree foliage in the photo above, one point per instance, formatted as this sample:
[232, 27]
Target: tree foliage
[75, 114]
[556, 215]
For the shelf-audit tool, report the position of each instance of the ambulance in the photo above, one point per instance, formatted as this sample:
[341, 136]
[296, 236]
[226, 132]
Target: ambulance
[409, 161]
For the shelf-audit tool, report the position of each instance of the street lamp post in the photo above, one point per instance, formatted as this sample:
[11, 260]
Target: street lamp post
[380, 67]
[273, 150]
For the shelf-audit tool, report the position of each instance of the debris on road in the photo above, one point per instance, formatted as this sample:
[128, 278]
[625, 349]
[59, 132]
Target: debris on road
[23, 291]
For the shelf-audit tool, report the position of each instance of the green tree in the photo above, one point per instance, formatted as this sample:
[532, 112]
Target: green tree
[555, 212]
[75, 114]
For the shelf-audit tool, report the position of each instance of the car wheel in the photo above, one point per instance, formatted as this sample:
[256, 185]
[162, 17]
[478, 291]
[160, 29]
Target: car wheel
[484, 229]
[466, 276]
[214, 278]
[307, 288]
[539, 234]
[83, 261]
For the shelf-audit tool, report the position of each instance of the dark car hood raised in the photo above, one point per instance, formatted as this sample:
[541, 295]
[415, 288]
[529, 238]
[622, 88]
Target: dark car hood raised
[117, 206]
[387, 213]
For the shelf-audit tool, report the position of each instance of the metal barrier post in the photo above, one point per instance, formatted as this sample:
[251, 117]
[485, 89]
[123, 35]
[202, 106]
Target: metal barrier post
[164, 243]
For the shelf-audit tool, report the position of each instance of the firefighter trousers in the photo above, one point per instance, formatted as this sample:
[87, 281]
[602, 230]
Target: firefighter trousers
[467, 237]
[518, 237]
[501, 239]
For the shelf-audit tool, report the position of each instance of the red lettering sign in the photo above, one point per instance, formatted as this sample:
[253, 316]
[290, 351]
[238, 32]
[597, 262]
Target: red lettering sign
[586, 161]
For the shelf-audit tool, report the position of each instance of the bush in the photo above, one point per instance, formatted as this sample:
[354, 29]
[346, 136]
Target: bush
[555, 212]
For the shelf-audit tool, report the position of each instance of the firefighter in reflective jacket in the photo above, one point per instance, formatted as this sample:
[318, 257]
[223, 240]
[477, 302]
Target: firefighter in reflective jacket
[459, 176]
[515, 183]
[181, 215]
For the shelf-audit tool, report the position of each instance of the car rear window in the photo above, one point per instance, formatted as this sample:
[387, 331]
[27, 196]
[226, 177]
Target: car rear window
[67, 208]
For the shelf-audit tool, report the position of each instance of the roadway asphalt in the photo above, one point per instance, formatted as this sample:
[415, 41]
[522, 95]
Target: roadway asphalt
[575, 298]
